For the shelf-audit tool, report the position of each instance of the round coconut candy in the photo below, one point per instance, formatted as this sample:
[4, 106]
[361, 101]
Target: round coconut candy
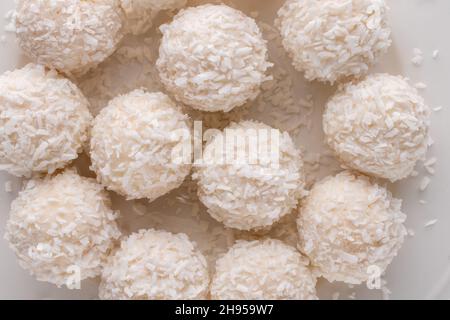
[44, 121]
[71, 36]
[260, 188]
[331, 40]
[263, 270]
[140, 145]
[379, 126]
[62, 228]
[212, 58]
[138, 14]
[350, 227]
[155, 265]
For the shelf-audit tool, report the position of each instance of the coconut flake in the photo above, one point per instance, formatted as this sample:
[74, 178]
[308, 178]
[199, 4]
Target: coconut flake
[424, 183]
[431, 223]
[8, 187]
[418, 58]
[435, 54]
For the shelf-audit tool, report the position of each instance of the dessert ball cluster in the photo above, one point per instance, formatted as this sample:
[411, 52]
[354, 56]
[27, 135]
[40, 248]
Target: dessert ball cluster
[62, 227]
[263, 270]
[138, 143]
[44, 121]
[331, 40]
[347, 224]
[71, 36]
[255, 191]
[155, 265]
[212, 58]
[378, 126]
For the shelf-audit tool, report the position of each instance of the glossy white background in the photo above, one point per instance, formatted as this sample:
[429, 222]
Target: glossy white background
[422, 269]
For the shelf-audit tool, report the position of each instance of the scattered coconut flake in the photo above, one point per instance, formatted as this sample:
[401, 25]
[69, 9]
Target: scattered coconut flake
[424, 183]
[254, 14]
[10, 16]
[422, 202]
[352, 296]
[430, 162]
[385, 291]
[430, 171]
[435, 54]
[418, 58]
[414, 173]
[438, 108]
[431, 223]
[139, 209]
[335, 296]
[420, 86]
[8, 186]
[411, 233]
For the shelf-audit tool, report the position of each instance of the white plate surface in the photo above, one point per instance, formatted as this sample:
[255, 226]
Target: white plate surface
[422, 269]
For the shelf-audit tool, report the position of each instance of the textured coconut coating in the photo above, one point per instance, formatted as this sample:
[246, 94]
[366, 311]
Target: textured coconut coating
[347, 225]
[155, 265]
[212, 58]
[250, 194]
[137, 145]
[62, 227]
[71, 36]
[139, 14]
[379, 126]
[44, 121]
[331, 40]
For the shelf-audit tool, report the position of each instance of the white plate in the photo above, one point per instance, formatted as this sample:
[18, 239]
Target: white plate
[422, 269]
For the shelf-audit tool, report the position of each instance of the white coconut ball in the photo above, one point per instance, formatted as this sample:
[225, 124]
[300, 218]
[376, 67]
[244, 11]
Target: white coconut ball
[71, 36]
[138, 16]
[350, 228]
[263, 270]
[379, 126]
[155, 265]
[331, 40]
[257, 190]
[140, 145]
[44, 121]
[212, 58]
[62, 228]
